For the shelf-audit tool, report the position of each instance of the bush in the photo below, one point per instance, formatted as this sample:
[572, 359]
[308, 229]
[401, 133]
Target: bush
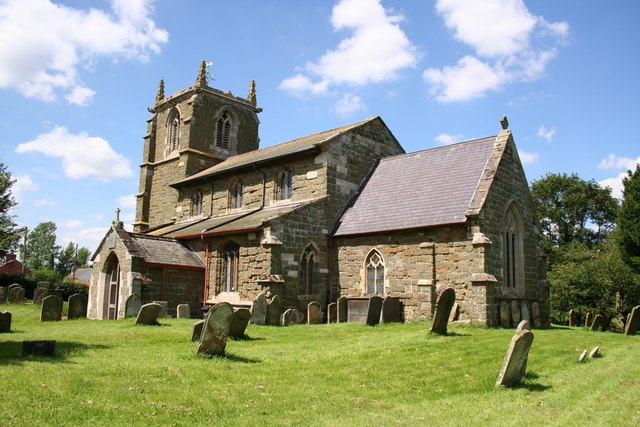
[28, 284]
[69, 289]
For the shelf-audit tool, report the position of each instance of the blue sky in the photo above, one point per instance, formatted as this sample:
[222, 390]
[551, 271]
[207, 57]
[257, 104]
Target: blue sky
[76, 78]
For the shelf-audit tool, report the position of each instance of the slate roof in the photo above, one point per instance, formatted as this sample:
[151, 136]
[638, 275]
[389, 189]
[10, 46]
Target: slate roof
[416, 190]
[159, 250]
[295, 147]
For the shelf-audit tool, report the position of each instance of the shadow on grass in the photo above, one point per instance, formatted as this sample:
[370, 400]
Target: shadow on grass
[230, 357]
[11, 352]
[529, 384]
[246, 337]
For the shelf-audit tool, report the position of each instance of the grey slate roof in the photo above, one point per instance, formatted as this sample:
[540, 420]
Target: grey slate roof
[416, 190]
[158, 250]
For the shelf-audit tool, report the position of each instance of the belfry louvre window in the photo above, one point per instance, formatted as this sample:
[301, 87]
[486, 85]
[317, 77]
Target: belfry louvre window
[230, 255]
[307, 271]
[284, 184]
[235, 195]
[223, 131]
[173, 132]
[375, 274]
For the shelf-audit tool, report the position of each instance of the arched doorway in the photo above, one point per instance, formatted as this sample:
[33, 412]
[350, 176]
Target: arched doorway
[112, 288]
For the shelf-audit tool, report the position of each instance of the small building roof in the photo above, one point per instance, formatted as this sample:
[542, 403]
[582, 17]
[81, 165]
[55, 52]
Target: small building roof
[416, 190]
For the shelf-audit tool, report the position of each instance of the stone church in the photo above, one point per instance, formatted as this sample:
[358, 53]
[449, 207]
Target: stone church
[344, 212]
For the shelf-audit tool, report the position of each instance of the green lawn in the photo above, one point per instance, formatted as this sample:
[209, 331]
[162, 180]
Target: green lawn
[116, 373]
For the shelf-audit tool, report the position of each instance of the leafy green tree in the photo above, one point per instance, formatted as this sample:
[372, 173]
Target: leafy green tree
[629, 220]
[50, 275]
[9, 236]
[41, 246]
[82, 257]
[66, 259]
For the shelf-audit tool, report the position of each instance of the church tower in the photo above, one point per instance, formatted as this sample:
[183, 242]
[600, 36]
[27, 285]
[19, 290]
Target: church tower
[188, 131]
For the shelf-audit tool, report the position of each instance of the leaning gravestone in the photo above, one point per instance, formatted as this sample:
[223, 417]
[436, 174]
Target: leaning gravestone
[374, 311]
[39, 294]
[164, 308]
[3, 295]
[390, 309]
[274, 311]
[216, 329]
[595, 352]
[633, 322]
[148, 314]
[77, 308]
[525, 314]
[196, 330]
[314, 313]
[582, 356]
[505, 314]
[183, 311]
[341, 308]
[290, 317]
[259, 310]
[524, 325]
[16, 295]
[5, 322]
[597, 322]
[332, 313]
[572, 317]
[443, 308]
[587, 320]
[515, 312]
[239, 323]
[132, 305]
[515, 361]
[51, 309]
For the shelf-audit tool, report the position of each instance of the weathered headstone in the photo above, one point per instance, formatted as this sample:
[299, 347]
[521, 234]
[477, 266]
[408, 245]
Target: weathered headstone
[215, 331]
[183, 311]
[597, 322]
[13, 285]
[505, 314]
[132, 305]
[259, 310]
[454, 312]
[524, 325]
[51, 309]
[595, 352]
[3, 294]
[239, 323]
[587, 320]
[274, 311]
[515, 312]
[289, 317]
[43, 285]
[332, 313]
[148, 314]
[5, 322]
[582, 356]
[164, 308]
[633, 321]
[374, 310]
[572, 317]
[390, 310]
[77, 308]
[39, 294]
[314, 313]
[536, 316]
[341, 307]
[513, 366]
[39, 348]
[196, 330]
[16, 295]
[443, 309]
[525, 314]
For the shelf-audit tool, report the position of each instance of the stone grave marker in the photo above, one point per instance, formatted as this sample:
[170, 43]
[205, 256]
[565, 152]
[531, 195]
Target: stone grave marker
[11, 286]
[391, 310]
[289, 317]
[525, 313]
[515, 312]
[259, 310]
[597, 322]
[51, 309]
[77, 308]
[274, 311]
[43, 285]
[443, 309]
[595, 352]
[16, 295]
[196, 330]
[164, 308]
[536, 317]
[183, 311]
[332, 313]
[374, 310]
[240, 322]
[132, 305]
[454, 312]
[587, 320]
[148, 314]
[515, 361]
[341, 308]
[39, 294]
[572, 317]
[524, 325]
[633, 321]
[3, 294]
[505, 314]
[39, 348]
[213, 340]
[5, 322]
[314, 313]
[582, 356]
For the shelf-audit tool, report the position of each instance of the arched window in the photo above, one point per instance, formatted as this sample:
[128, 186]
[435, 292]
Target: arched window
[196, 202]
[223, 131]
[307, 270]
[375, 273]
[112, 288]
[512, 249]
[173, 132]
[230, 255]
[235, 195]
[284, 188]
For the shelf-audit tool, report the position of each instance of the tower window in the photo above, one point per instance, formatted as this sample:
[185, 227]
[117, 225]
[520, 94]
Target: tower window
[173, 133]
[223, 131]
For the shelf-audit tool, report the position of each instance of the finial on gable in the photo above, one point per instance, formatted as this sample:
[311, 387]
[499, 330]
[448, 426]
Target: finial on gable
[504, 122]
[160, 94]
[201, 81]
[252, 92]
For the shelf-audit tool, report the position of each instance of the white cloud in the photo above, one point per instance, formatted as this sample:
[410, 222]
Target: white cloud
[72, 223]
[82, 155]
[615, 162]
[545, 133]
[376, 51]
[501, 32]
[23, 184]
[128, 201]
[45, 45]
[527, 157]
[446, 139]
[349, 104]
[43, 203]
[87, 237]
[615, 183]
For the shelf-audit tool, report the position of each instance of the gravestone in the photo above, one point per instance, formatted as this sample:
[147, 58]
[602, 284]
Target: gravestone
[633, 322]
[274, 311]
[5, 322]
[148, 314]
[259, 310]
[196, 330]
[443, 309]
[39, 348]
[314, 313]
[374, 310]
[290, 317]
[572, 317]
[582, 356]
[164, 308]
[42, 285]
[390, 309]
[16, 295]
[357, 309]
[454, 312]
[525, 314]
[515, 312]
[515, 361]
[341, 308]
[536, 316]
[595, 352]
[183, 311]
[505, 314]
[524, 325]
[3, 294]
[332, 313]
[51, 309]
[77, 307]
[11, 286]
[39, 294]
[587, 320]
[597, 322]
[215, 330]
[132, 305]
[239, 323]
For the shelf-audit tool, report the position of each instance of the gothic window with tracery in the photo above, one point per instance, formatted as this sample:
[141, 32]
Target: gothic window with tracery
[375, 273]
[223, 131]
[173, 132]
[284, 186]
[230, 257]
[308, 271]
[512, 249]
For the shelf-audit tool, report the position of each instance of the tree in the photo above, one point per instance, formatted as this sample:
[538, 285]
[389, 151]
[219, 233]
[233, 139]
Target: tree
[9, 236]
[82, 257]
[66, 259]
[41, 246]
[629, 220]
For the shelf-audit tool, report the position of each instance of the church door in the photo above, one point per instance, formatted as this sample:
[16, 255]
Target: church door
[114, 290]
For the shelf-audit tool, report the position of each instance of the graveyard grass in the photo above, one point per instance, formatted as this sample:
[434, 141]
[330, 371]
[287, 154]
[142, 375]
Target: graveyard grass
[117, 373]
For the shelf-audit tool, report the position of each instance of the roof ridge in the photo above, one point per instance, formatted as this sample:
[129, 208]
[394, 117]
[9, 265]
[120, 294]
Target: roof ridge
[443, 147]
